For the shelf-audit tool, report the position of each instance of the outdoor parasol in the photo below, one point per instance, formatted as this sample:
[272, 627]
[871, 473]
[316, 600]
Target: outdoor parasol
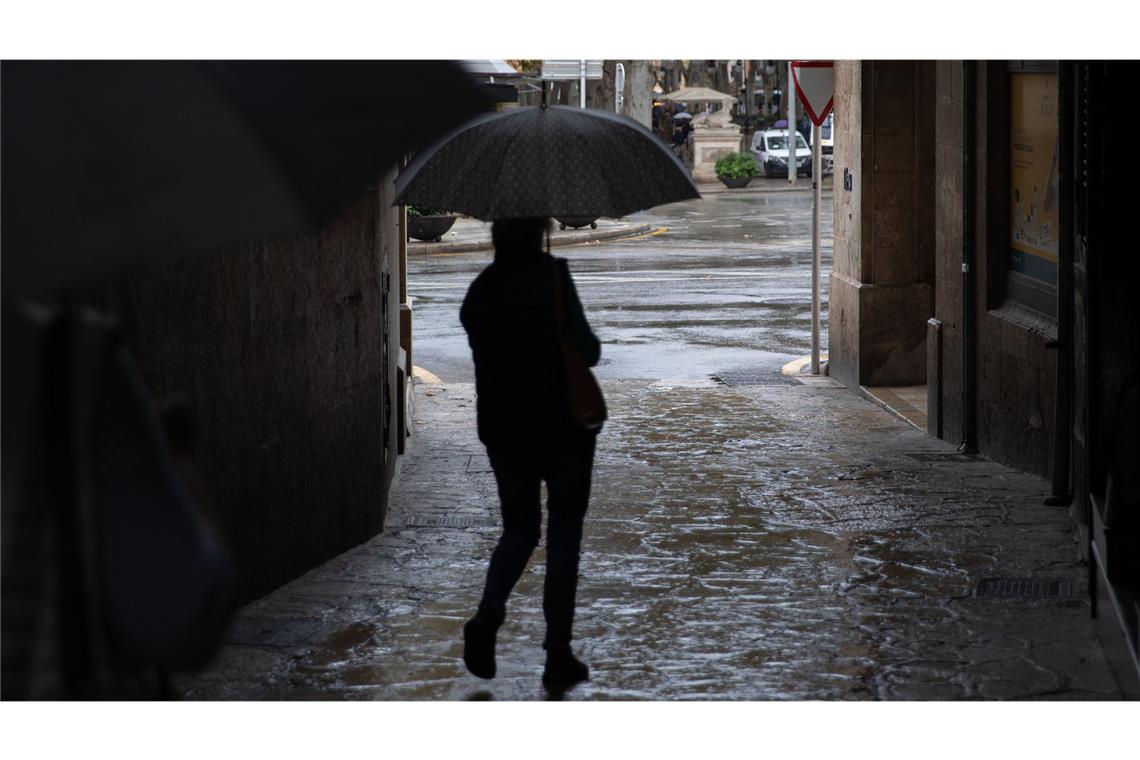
[698, 95]
[546, 161]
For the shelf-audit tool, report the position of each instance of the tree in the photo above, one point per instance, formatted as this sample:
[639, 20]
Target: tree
[773, 74]
[639, 81]
[637, 93]
[697, 73]
[748, 71]
[600, 92]
[673, 70]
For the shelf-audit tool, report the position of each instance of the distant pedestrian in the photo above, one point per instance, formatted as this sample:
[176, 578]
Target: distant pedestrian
[513, 327]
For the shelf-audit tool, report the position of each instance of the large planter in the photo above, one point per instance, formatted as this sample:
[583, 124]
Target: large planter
[735, 182]
[429, 228]
[577, 221]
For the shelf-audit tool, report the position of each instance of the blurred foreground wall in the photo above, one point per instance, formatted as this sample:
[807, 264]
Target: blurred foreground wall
[287, 351]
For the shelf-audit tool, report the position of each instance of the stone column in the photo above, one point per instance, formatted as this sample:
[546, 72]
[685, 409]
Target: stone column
[709, 144]
[881, 290]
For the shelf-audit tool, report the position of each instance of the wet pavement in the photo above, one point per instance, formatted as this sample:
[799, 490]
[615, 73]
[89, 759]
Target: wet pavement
[722, 284]
[789, 541]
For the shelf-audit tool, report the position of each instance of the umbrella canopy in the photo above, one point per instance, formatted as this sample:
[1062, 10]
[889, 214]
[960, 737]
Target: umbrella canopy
[698, 95]
[546, 161]
[682, 116]
[108, 164]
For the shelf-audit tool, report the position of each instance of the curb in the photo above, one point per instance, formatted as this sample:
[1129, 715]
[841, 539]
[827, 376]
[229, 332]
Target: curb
[800, 366]
[556, 240]
[802, 186]
[885, 405]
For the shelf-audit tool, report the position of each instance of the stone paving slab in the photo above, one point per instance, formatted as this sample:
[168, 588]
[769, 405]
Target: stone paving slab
[745, 543]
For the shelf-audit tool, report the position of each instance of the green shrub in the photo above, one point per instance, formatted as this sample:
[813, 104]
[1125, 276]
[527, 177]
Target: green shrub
[427, 211]
[737, 165]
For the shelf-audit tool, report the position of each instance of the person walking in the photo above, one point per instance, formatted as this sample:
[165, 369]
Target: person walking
[515, 332]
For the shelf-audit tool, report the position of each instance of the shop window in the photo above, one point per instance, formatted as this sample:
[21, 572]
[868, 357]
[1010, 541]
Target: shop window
[1034, 230]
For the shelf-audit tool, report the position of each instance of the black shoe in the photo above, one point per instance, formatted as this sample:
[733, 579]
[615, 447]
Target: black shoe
[479, 647]
[563, 669]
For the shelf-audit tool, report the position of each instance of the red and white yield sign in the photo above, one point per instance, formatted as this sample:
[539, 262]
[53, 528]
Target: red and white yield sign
[815, 84]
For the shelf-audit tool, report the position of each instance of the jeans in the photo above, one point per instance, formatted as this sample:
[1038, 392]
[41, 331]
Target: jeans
[566, 468]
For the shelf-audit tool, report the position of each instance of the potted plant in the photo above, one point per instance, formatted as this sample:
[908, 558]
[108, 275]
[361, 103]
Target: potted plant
[428, 224]
[736, 169]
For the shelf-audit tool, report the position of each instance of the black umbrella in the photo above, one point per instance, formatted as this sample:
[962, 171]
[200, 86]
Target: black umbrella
[546, 161]
[107, 163]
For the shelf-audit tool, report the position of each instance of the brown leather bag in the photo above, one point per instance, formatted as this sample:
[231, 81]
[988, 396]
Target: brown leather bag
[587, 405]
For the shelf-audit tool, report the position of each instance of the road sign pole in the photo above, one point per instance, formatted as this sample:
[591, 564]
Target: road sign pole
[815, 85]
[791, 98]
[817, 192]
[582, 85]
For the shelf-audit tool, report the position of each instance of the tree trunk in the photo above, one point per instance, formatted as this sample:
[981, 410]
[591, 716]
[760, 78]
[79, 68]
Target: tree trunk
[697, 74]
[674, 70]
[567, 93]
[600, 92]
[639, 81]
[748, 70]
[638, 90]
[767, 84]
[782, 84]
[720, 78]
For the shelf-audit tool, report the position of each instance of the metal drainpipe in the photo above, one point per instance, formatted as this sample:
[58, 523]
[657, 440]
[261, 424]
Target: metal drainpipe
[969, 339]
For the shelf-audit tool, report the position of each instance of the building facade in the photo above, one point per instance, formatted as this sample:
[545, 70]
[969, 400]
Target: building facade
[288, 354]
[981, 251]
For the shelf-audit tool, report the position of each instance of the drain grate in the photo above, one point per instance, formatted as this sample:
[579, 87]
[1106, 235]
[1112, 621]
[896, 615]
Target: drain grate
[449, 521]
[944, 456]
[1026, 587]
[272, 632]
[754, 377]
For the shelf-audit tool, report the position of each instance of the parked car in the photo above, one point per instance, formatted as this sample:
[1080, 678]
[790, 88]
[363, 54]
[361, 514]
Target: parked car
[771, 151]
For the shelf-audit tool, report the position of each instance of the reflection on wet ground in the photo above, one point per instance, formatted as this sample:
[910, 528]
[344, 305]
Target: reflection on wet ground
[743, 543]
[727, 287]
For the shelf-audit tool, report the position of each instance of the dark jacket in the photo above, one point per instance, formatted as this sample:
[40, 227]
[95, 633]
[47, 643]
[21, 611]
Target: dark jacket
[511, 322]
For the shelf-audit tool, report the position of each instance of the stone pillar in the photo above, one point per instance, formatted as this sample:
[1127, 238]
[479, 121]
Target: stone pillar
[881, 290]
[709, 144]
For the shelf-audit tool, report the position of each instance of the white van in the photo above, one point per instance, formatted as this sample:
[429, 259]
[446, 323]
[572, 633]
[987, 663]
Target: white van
[770, 149]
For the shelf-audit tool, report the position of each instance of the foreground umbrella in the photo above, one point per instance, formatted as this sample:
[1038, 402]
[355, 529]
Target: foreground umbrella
[546, 161]
[110, 163]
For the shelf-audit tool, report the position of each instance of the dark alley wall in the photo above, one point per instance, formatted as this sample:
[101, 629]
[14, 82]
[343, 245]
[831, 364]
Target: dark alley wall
[1015, 374]
[287, 351]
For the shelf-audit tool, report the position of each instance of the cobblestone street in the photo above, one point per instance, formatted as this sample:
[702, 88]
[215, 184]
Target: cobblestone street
[784, 541]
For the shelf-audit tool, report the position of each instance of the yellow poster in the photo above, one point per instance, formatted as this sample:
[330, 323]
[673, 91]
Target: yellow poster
[1033, 175]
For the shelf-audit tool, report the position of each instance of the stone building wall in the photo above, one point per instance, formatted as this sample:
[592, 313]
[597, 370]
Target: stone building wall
[1015, 373]
[287, 351]
[881, 284]
[898, 254]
